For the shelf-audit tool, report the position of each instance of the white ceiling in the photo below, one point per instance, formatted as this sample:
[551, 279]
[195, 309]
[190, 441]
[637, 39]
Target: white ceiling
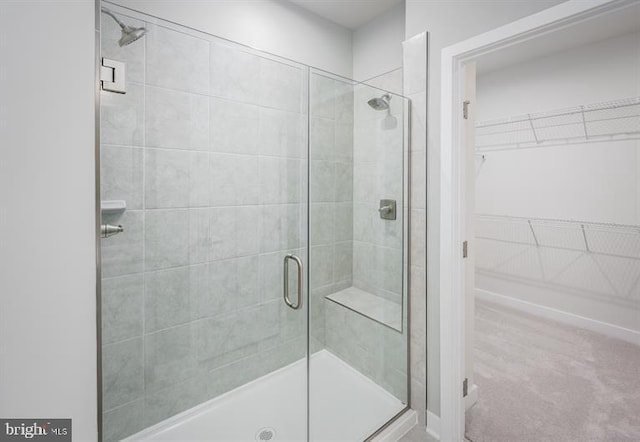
[614, 24]
[348, 13]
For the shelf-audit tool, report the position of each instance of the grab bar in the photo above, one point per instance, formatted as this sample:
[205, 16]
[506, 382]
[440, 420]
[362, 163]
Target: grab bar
[287, 301]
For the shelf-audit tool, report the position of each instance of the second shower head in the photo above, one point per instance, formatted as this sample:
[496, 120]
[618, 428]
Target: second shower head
[380, 103]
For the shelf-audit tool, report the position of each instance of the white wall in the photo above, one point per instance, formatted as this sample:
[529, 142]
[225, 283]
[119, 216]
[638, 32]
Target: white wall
[377, 45]
[47, 239]
[448, 22]
[592, 182]
[274, 26]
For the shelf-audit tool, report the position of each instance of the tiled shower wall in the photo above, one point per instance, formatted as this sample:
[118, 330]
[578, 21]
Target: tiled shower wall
[378, 174]
[208, 149]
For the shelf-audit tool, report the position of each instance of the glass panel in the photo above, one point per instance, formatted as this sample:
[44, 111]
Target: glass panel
[208, 148]
[358, 366]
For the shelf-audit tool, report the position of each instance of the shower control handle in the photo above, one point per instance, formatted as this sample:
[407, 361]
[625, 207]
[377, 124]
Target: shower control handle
[107, 230]
[287, 300]
[387, 209]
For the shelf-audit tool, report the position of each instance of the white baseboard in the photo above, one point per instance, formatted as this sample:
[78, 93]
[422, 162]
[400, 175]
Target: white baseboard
[471, 398]
[398, 428]
[611, 330]
[433, 425]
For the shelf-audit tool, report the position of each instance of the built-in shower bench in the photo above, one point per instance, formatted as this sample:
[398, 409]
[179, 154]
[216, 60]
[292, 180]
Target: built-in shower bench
[379, 309]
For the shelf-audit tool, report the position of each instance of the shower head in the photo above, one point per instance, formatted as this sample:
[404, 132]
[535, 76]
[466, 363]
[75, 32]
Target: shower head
[380, 103]
[129, 33]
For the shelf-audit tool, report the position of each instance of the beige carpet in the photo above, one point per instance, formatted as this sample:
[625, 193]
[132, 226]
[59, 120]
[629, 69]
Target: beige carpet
[539, 380]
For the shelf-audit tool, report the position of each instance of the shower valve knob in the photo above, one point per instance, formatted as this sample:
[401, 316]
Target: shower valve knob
[387, 209]
[107, 230]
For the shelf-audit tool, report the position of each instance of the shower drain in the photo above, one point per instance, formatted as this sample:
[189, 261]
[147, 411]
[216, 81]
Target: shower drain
[264, 434]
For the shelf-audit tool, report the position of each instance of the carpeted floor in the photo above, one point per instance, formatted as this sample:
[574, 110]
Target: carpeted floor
[539, 380]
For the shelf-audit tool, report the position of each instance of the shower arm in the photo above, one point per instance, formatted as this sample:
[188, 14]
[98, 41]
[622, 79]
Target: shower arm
[110, 14]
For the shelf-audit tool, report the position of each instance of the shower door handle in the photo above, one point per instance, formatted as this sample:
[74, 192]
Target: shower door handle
[287, 300]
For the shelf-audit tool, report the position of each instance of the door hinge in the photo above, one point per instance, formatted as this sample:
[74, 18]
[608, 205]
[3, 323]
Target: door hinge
[112, 76]
[465, 249]
[465, 109]
[465, 387]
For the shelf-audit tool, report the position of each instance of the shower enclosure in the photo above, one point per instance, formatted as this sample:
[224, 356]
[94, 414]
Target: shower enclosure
[254, 259]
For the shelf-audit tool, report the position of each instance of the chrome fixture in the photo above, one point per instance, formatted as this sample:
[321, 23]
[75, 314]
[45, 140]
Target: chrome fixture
[387, 209]
[107, 230]
[129, 33]
[380, 103]
[287, 301]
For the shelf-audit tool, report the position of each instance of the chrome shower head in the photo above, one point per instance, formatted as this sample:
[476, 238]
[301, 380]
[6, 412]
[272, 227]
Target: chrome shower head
[129, 33]
[380, 103]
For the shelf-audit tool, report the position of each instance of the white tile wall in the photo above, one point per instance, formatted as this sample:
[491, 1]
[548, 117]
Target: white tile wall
[378, 144]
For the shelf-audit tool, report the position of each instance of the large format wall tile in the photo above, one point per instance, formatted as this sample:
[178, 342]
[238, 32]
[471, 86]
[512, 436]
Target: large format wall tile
[281, 180]
[233, 74]
[122, 254]
[224, 334]
[169, 357]
[123, 421]
[122, 370]
[176, 60]
[323, 96]
[234, 180]
[175, 119]
[176, 179]
[282, 133]
[122, 308]
[343, 256]
[280, 86]
[167, 294]
[122, 117]
[176, 238]
[121, 175]
[322, 228]
[162, 404]
[282, 227]
[234, 232]
[234, 127]
[343, 221]
[322, 139]
[322, 181]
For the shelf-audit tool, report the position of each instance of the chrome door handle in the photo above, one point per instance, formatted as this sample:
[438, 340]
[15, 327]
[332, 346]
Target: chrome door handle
[287, 301]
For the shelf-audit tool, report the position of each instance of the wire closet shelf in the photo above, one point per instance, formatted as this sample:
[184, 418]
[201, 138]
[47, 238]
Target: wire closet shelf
[619, 240]
[583, 258]
[604, 121]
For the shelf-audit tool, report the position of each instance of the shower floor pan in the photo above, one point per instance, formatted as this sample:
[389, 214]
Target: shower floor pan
[345, 406]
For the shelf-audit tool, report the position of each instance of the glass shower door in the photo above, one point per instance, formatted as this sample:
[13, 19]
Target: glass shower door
[204, 163]
[358, 369]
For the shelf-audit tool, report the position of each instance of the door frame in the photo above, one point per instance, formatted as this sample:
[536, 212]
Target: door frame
[453, 216]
